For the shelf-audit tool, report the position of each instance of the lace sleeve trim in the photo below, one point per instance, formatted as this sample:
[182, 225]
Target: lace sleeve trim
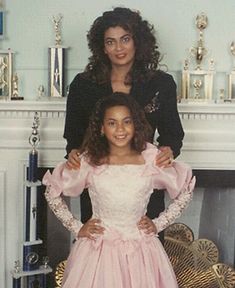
[62, 212]
[175, 209]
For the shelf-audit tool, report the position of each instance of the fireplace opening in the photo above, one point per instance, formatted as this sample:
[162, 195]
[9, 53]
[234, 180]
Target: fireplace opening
[211, 212]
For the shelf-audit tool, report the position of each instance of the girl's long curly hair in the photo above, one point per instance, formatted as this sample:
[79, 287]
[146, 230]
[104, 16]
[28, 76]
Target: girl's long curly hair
[96, 146]
[147, 56]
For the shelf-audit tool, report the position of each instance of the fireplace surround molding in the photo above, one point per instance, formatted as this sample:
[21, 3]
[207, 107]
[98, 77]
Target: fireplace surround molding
[209, 144]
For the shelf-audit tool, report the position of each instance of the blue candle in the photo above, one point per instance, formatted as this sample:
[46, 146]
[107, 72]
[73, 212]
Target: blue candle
[16, 283]
[33, 166]
[1, 23]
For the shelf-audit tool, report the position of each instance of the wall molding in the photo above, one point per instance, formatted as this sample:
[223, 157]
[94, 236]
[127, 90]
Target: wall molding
[2, 225]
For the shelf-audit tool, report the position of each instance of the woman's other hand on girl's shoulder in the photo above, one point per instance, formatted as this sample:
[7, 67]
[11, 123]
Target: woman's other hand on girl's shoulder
[165, 157]
[74, 159]
[90, 229]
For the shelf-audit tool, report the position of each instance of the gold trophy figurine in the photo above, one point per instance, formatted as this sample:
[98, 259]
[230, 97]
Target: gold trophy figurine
[200, 51]
[57, 27]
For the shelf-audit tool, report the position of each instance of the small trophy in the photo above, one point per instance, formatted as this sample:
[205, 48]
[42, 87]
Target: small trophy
[231, 77]
[15, 88]
[45, 261]
[57, 62]
[197, 84]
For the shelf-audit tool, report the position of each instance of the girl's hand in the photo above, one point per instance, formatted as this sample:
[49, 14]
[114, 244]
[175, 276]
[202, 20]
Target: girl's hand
[74, 160]
[165, 158]
[90, 228]
[147, 225]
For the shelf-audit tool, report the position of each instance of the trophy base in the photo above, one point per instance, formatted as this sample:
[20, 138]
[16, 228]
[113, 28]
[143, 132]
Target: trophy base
[17, 98]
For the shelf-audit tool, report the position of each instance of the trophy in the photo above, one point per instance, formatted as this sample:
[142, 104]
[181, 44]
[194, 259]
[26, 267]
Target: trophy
[15, 88]
[31, 268]
[6, 58]
[197, 84]
[200, 51]
[231, 77]
[56, 75]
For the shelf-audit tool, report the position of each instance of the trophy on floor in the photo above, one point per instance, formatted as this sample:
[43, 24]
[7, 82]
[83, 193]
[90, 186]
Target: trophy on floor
[33, 269]
[56, 77]
[197, 83]
[231, 77]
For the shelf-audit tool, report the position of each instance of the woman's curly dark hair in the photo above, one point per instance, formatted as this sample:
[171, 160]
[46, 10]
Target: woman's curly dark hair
[96, 146]
[146, 57]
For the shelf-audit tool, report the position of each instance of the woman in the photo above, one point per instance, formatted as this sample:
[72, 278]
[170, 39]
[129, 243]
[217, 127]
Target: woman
[124, 59]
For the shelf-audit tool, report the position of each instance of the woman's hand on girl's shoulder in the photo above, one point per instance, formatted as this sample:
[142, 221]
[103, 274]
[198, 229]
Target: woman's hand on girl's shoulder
[74, 160]
[165, 157]
[90, 229]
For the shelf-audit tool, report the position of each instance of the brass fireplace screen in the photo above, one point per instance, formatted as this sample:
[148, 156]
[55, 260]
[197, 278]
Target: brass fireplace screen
[195, 262]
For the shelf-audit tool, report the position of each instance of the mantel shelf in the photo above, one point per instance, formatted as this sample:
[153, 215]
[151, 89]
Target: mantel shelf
[59, 105]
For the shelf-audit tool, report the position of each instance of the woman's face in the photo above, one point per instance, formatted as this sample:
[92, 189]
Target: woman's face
[119, 46]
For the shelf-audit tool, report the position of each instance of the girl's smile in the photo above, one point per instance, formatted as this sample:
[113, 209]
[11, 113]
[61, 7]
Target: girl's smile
[118, 127]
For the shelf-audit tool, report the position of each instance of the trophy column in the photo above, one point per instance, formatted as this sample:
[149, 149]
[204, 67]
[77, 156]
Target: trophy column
[57, 57]
[56, 77]
[32, 271]
[231, 77]
[6, 68]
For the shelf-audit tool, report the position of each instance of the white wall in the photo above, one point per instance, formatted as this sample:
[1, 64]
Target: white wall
[29, 32]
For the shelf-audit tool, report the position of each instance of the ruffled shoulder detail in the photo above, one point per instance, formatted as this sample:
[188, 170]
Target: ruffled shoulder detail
[69, 182]
[149, 155]
[173, 179]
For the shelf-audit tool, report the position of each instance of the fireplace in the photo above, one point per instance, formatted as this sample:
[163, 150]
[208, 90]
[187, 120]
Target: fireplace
[208, 147]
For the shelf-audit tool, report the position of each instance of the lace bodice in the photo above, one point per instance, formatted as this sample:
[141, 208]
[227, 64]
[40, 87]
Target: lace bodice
[119, 197]
[120, 194]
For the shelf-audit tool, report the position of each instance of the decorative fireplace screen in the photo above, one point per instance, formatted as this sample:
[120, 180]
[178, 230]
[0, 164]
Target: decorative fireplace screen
[195, 262]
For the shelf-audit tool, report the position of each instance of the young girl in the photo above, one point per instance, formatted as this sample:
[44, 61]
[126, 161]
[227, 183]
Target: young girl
[118, 247]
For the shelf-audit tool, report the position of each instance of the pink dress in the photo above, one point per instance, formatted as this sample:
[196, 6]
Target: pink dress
[124, 256]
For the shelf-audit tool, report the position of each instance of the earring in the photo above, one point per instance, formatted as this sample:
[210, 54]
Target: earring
[101, 134]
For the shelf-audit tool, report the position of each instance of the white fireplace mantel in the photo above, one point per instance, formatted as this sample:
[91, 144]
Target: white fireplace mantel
[209, 143]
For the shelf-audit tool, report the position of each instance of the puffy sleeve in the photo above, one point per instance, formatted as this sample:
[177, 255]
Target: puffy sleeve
[69, 183]
[179, 183]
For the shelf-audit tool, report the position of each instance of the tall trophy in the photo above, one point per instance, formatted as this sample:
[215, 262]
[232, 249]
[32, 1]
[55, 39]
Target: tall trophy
[34, 269]
[231, 76]
[56, 77]
[197, 82]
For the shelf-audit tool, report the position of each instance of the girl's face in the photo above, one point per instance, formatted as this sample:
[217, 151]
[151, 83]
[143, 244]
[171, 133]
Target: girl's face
[118, 127]
[119, 46]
